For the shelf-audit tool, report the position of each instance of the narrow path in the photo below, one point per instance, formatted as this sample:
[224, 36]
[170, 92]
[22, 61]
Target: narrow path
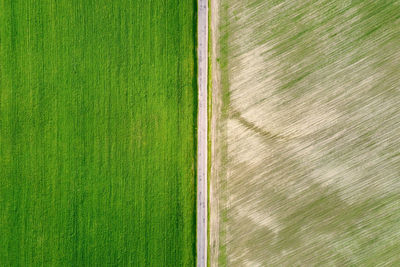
[202, 56]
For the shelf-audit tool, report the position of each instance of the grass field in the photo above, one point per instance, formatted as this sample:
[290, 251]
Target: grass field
[97, 133]
[310, 133]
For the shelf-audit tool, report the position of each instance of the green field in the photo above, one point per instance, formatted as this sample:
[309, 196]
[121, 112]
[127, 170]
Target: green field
[97, 133]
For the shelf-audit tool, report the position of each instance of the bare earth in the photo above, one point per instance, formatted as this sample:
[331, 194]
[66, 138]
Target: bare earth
[215, 120]
[306, 164]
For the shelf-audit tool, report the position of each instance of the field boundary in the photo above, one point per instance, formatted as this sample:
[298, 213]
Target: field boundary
[202, 130]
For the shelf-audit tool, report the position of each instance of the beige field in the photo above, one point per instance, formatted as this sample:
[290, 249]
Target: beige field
[306, 133]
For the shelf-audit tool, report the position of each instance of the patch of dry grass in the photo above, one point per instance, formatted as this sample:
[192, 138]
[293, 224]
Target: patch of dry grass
[312, 131]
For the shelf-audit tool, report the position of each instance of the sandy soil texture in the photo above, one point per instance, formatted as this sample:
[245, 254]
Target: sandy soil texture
[307, 139]
[215, 135]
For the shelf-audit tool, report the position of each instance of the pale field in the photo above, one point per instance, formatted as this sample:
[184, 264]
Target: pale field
[306, 162]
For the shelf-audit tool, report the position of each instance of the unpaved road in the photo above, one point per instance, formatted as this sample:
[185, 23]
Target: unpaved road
[215, 136]
[202, 55]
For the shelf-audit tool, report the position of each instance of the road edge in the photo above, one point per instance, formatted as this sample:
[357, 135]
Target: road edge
[202, 130]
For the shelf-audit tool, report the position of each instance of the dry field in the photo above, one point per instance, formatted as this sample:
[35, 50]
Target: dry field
[306, 162]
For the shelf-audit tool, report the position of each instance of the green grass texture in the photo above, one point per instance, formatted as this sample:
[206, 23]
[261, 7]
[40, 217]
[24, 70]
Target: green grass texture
[97, 133]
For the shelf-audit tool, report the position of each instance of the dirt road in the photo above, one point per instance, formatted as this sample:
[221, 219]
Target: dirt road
[202, 54]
